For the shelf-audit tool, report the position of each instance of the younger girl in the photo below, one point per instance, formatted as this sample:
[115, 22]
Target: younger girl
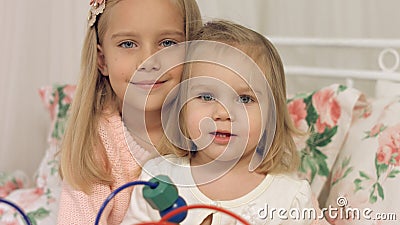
[234, 118]
[95, 158]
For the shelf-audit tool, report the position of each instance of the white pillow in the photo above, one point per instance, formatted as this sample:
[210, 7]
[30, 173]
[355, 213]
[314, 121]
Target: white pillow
[384, 88]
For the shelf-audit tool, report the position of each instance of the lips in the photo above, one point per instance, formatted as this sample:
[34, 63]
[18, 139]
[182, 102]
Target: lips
[221, 134]
[148, 84]
[222, 137]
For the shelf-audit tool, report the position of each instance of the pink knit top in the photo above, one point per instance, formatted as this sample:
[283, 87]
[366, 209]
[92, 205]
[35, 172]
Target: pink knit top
[78, 208]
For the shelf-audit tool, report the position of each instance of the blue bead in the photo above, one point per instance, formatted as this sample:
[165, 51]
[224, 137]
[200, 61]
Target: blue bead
[179, 217]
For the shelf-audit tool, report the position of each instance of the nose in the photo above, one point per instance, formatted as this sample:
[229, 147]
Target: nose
[150, 60]
[220, 113]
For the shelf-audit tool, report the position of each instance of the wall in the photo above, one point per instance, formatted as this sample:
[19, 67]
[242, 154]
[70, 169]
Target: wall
[40, 45]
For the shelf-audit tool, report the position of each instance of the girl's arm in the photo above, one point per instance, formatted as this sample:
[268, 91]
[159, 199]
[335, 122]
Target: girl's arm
[76, 207]
[305, 200]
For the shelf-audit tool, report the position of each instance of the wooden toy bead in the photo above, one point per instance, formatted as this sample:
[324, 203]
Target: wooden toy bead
[163, 196]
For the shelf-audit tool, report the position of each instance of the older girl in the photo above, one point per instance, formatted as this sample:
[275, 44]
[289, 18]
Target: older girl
[95, 158]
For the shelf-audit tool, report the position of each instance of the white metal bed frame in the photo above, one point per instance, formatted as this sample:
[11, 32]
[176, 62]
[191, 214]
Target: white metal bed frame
[388, 46]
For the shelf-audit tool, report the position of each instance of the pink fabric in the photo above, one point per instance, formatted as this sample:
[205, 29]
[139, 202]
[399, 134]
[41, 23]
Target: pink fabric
[78, 208]
[327, 107]
[366, 174]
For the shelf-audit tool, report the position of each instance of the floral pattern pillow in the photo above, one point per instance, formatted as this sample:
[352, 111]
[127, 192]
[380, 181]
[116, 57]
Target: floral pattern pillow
[325, 116]
[367, 172]
[57, 99]
[12, 181]
[40, 203]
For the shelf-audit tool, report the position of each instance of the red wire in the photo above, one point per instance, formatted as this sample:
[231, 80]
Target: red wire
[186, 208]
[156, 223]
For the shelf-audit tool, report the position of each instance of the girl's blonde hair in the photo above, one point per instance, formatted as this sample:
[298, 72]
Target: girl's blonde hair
[81, 165]
[282, 156]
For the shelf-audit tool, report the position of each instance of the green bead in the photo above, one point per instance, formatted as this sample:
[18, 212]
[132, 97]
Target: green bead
[163, 196]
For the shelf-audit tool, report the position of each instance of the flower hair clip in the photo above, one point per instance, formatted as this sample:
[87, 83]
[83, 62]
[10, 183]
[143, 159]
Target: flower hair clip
[97, 7]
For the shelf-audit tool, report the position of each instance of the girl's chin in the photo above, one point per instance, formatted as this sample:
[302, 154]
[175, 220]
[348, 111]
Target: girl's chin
[208, 158]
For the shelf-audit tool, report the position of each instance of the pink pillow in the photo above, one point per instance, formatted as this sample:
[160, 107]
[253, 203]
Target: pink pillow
[326, 114]
[366, 174]
[57, 100]
[12, 181]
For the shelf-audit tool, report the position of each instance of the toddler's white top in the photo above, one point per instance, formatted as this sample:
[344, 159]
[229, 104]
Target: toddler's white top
[277, 197]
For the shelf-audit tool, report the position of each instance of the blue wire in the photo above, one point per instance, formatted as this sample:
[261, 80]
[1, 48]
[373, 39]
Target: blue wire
[26, 218]
[116, 191]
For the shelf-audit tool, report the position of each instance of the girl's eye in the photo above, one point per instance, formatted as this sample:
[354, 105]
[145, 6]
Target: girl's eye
[206, 97]
[168, 43]
[128, 44]
[245, 99]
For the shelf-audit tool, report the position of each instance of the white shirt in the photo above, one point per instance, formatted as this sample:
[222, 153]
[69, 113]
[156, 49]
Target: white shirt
[279, 192]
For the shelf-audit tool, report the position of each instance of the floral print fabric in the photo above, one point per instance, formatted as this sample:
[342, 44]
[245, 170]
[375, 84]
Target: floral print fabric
[325, 116]
[367, 171]
[40, 202]
[12, 181]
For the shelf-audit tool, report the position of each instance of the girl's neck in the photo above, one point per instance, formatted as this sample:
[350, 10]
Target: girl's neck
[216, 189]
[154, 126]
[241, 164]
[153, 132]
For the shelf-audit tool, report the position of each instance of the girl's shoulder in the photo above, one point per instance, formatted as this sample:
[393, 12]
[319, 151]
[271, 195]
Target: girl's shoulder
[111, 127]
[293, 184]
[109, 116]
[110, 124]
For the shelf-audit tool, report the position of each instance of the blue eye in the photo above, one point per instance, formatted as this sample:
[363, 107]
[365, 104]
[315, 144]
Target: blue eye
[245, 99]
[128, 44]
[206, 97]
[168, 43]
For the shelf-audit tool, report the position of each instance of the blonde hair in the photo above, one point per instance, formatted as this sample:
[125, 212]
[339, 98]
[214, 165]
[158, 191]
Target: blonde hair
[282, 156]
[81, 165]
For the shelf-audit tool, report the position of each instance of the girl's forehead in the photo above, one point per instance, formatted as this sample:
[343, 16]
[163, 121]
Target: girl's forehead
[214, 74]
[138, 12]
[222, 61]
[227, 56]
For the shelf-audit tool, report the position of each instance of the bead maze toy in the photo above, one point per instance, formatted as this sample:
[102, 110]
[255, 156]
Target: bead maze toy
[161, 194]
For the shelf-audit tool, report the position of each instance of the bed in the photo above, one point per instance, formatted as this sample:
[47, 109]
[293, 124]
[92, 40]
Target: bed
[351, 155]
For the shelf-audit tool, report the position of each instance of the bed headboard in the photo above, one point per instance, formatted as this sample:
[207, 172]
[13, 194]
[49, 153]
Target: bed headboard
[340, 59]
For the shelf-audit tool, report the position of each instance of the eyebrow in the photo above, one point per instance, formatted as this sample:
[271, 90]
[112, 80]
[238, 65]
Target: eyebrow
[123, 34]
[163, 33]
[246, 90]
[241, 89]
[172, 32]
[194, 86]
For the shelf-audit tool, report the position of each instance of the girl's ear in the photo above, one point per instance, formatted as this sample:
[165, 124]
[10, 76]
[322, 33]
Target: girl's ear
[101, 61]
